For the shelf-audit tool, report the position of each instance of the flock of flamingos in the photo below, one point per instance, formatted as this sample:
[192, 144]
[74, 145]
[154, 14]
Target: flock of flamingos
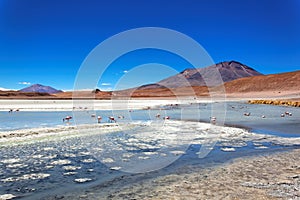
[112, 119]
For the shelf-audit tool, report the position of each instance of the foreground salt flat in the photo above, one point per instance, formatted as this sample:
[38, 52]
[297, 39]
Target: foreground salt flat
[61, 152]
[274, 176]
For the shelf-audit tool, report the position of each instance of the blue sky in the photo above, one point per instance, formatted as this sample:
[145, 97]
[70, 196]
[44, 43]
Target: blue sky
[46, 41]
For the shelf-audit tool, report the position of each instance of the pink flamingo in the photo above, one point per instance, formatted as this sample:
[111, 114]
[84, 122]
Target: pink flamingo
[213, 120]
[247, 114]
[99, 118]
[67, 118]
[111, 119]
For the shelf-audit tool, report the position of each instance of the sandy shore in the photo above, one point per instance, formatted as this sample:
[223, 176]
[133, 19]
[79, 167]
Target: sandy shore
[273, 176]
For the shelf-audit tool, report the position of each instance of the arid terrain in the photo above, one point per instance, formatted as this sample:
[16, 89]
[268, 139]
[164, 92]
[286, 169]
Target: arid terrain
[239, 81]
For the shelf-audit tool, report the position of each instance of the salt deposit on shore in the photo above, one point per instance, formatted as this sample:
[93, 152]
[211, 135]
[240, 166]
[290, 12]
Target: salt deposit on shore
[30, 135]
[144, 142]
[7, 196]
[274, 176]
[68, 105]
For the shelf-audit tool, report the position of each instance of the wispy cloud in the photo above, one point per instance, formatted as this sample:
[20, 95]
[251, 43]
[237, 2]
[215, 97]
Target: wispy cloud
[24, 83]
[105, 84]
[125, 71]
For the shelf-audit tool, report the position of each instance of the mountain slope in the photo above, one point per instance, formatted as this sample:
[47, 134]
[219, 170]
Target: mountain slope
[275, 82]
[265, 86]
[208, 76]
[40, 89]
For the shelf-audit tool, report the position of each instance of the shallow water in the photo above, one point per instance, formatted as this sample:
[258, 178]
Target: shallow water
[231, 113]
[43, 167]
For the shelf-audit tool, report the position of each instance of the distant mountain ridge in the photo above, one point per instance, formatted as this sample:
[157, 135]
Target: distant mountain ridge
[40, 89]
[262, 86]
[209, 76]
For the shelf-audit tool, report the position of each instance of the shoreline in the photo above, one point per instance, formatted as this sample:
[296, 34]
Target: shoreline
[32, 135]
[123, 104]
[68, 131]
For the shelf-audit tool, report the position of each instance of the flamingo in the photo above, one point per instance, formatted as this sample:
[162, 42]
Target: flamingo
[67, 118]
[213, 120]
[167, 117]
[111, 119]
[288, 113]
[157, 115]
[99, 118]
[247, 114]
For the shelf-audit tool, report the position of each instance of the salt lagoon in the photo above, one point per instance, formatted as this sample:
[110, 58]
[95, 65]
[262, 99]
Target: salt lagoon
[44, 158]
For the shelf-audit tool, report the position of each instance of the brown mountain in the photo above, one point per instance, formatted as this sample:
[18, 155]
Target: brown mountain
[209, 76]
[284, 83]
[24, 95]
[40, 89]
[255, 85]
[275, 85]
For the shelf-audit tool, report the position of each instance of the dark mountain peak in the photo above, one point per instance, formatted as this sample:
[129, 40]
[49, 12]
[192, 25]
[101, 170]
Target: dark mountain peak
[234, 62]
[210, 76]
[37, 85]
[40, 89]
[187, 70]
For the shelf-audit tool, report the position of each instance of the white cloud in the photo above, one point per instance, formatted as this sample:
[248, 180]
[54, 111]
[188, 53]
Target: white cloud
[24, 83]
[5, 89]
[105, 84]
[125, 71]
